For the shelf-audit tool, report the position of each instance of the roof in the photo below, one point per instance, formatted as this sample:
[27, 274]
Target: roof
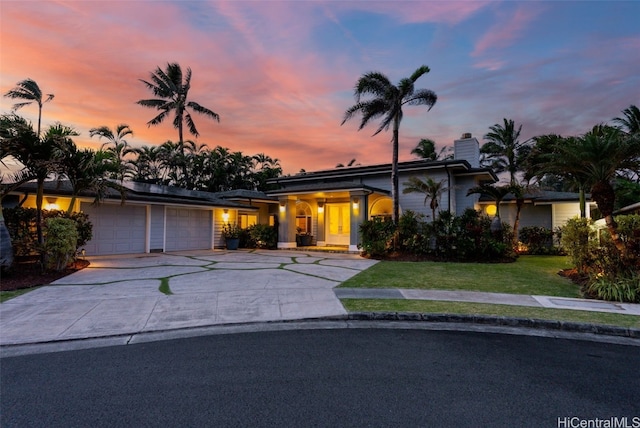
[346, 186]
[140, 192]
[540, 196]
[629, 209]
[244, 194]
[458, 167]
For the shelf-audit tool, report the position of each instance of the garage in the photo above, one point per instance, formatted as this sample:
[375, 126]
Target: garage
[117, 229]
[188, 229]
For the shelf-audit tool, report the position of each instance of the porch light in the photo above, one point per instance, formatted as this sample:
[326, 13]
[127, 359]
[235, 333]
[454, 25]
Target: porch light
[356, 203]
[51, 204]
[225, 215]
[320, 208]
[283, 207]
[491, 210]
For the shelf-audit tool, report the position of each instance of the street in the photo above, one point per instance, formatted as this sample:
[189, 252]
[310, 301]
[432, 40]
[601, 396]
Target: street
[332, 378]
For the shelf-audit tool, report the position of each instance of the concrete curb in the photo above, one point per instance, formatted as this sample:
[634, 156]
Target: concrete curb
[567, 326]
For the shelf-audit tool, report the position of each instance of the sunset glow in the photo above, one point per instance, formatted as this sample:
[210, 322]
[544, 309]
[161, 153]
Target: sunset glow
[280, 73]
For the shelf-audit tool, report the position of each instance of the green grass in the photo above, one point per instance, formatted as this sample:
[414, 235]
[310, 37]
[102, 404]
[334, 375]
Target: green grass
[528, 275]
[430, 306]
[6, 295]
[164, 286]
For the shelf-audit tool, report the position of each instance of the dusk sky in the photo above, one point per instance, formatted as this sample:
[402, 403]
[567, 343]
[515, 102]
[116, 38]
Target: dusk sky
[281, 73]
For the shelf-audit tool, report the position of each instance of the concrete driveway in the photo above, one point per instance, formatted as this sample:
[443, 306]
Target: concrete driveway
[121, 295]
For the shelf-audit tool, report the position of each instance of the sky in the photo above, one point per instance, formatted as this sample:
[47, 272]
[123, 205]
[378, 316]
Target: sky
[281, 73]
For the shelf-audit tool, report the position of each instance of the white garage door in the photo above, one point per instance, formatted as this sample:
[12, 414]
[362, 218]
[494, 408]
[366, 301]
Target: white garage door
[117, 229]
[188, 229]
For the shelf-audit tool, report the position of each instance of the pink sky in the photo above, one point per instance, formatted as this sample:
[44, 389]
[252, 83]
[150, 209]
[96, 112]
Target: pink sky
[280, 73]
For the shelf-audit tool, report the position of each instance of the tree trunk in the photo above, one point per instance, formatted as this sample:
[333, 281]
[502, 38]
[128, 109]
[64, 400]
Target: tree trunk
[604, 196]
[394, 171]
[583, 202]
[516, 223]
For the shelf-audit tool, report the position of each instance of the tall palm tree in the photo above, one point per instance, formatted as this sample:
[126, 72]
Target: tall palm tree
[117, 145]
[386, 101]
[631, 120]
[172, 89]
[29, 90]
[503, 149]
[431, 189]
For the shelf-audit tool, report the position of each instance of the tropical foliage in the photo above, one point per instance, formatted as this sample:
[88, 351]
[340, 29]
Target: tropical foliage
[430, 188]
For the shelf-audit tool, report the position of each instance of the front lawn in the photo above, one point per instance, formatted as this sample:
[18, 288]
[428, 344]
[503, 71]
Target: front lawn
[537, 275]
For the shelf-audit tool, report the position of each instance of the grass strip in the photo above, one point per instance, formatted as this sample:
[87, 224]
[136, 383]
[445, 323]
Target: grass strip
[6, 295]
[536, 275]
[164, 286]
[440, 307]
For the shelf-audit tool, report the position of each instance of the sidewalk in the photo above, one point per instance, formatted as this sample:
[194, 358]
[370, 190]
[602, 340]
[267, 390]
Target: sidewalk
[490, 298]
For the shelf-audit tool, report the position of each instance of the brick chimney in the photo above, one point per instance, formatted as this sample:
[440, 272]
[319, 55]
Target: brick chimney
[467, 148]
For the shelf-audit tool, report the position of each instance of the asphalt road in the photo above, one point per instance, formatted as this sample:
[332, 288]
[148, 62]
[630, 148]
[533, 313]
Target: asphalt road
[328, 378]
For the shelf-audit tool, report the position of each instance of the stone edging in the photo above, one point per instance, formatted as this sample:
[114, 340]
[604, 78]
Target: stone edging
[497, 321]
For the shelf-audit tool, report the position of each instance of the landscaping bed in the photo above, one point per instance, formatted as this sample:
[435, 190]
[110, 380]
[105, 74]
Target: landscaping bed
[29, 274]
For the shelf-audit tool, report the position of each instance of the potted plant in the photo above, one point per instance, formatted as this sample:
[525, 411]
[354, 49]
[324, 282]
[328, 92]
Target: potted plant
[231, 235]
[303, 239]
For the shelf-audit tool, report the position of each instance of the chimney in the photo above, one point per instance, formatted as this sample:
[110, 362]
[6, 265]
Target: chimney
[467, 148]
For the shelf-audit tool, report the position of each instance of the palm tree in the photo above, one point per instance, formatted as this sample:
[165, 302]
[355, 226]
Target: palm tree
[29, 90]
[116, 145]
[172, 90]
[387, 101]
[631, 120]
[351, 163]
[503, 150]
[497, 193]
[426, 149]
[597, 157]
[431, 189]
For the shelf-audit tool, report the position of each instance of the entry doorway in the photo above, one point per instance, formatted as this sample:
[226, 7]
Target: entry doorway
[338, 224]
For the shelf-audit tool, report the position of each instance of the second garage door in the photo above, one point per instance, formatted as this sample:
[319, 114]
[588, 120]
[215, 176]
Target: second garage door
[188, 229]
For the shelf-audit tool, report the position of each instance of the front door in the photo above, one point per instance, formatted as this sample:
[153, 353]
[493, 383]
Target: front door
[338, 224]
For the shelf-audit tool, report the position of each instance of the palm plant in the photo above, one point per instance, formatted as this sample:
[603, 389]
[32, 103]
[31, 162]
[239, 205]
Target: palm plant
[172, 89]
[386, 101]
[503, 150]
[29, 91]
[117, 145]
[597, 157]
[497, 193]
[431, 189]
[426, 149]
[631, 120]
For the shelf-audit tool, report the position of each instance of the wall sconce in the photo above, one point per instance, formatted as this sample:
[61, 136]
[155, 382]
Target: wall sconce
[491, 210]
[51, 204]
[225, 215]
[283, 207]
[356, 203]
[320, 207]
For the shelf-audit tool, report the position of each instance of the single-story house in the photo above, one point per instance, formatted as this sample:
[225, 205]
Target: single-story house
[329, 205]
[153, 218]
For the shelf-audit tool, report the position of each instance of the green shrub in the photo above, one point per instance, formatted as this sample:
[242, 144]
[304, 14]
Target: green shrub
[629, 231]
[620, 289]
[263, 236]
[60, 243]
[377, 236]
[578, 242]
[539, 240]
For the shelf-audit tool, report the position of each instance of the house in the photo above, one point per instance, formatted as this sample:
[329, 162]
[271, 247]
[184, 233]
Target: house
[331, 204]
[153, 218]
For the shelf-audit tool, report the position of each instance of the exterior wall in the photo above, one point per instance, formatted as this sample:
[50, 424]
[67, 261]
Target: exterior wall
[463, 184]
[561, 212]
[530, 215]
[218, 224]
[61, 203]
[416, 201]
[156, 228]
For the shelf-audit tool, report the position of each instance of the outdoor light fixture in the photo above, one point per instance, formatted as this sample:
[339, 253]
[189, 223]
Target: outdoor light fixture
[225, 215]
[282, 207]
[491, 210]
[51, 204]
[356, 203]
[320, 207]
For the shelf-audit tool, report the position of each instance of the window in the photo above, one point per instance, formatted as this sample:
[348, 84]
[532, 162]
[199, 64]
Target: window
[247, 220]
[303, 218]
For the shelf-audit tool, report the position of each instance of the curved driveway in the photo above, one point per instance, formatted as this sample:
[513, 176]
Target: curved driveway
[121, 295]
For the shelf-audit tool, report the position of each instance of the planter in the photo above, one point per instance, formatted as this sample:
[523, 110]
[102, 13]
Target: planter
[232, 243]
[304, 240]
